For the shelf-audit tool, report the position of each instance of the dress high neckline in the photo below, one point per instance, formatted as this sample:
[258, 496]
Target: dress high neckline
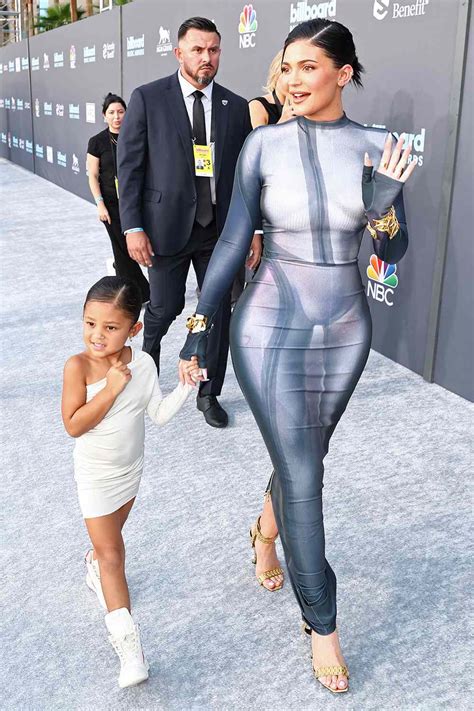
[337, 123]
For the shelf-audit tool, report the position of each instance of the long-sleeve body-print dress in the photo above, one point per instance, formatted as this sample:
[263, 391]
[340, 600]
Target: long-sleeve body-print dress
[301, 331]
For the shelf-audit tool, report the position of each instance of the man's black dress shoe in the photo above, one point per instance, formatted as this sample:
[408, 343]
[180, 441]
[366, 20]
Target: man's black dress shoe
[214, 414]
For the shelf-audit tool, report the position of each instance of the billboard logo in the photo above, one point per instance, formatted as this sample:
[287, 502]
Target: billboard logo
[108, 50]
[11, 67]
[417, 142]
[60, 110]
[35, 64]
[17, 64]
[9, 139]
[7, 103]
[49, 154]
[19, 104]
[164, 42]
[382, 280]
[27, 106]
[135, 46]
[248, 26]
[399, 10]
[15, 142]
[61, 159]
[13, 104]
[72, 57]
[29, 146]
[301, 11]
[24, 63]
[48, 108]
[2, 103]
[75, 164]
[58, 59]
[37, 108]
[90, 112]
[89, 54]
[21, 144]
[45, 61]
[4, 137]
[39, 151]
[74, 111]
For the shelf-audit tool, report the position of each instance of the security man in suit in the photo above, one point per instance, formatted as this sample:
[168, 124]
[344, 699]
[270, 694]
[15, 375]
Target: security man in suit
[177, 153]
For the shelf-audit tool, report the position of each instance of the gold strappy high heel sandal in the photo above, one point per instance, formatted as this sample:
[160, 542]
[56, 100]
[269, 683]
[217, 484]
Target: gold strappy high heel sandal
[256, 533]
[339, 670]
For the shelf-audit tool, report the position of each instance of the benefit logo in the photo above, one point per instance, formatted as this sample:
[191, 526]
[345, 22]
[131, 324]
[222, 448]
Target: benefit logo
[398, 10]
[247, 27]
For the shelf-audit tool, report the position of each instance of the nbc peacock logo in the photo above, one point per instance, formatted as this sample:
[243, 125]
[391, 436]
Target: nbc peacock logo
[247, 27]
[383, 280]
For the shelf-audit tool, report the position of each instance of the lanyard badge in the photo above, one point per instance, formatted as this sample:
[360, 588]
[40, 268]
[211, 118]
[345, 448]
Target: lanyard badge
[203, 161]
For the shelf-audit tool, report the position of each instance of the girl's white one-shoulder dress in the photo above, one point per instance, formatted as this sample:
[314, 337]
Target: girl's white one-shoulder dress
[108, 459]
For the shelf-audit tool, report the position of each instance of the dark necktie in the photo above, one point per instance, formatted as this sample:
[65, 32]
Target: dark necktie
[204, 213]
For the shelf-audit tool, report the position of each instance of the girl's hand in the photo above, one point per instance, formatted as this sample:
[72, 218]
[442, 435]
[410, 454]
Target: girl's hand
[117, 378]
[190, 373]
[103, 213]
[394, 165]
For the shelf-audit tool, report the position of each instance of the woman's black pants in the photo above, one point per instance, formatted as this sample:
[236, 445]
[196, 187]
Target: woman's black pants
[125, 266]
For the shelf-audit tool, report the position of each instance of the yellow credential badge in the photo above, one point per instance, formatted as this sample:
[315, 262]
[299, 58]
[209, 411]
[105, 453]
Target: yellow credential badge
[203, 161]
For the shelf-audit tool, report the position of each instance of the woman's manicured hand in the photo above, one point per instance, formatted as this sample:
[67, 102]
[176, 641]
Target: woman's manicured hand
[394, 164]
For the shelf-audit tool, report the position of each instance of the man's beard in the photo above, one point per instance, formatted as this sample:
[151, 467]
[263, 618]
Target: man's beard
[199, 78]
[205, 81]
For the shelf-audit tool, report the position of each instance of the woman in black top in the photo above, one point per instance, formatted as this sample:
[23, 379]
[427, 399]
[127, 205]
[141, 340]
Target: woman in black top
[273, 107]
[102, 169]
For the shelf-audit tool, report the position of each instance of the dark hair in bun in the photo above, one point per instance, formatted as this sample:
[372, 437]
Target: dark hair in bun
[332, 37]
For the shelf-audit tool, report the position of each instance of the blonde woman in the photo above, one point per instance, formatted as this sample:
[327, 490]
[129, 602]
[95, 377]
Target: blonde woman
[273, 107]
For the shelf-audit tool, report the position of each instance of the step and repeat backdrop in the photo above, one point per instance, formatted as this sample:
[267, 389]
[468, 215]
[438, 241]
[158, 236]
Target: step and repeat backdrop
[52, 87]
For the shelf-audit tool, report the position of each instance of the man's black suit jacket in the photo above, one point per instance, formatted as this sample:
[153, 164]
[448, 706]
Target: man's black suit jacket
[156, 166]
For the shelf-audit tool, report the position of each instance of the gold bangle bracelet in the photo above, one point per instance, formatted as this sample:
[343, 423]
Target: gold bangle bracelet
[388, 223]
[196, 324]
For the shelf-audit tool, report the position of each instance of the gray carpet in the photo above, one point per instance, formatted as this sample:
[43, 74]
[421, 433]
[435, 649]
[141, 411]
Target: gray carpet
[396, 511]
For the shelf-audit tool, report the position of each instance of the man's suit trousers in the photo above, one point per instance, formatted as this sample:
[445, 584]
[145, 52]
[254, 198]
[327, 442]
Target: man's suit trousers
[167, 279]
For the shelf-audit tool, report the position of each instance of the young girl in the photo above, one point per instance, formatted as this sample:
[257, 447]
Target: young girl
[107, 389]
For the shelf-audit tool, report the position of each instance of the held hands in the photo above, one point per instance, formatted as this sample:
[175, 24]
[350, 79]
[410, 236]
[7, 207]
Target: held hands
[139, 248]
[117, 378]
[190, 373]
[103, 213]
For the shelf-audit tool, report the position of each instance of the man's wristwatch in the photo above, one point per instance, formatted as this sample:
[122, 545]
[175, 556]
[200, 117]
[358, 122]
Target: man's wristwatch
[196, 323]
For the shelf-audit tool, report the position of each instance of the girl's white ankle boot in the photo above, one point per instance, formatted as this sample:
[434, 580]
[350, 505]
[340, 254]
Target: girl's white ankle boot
[125, 639]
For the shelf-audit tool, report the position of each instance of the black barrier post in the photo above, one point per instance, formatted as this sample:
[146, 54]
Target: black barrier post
[31, 103]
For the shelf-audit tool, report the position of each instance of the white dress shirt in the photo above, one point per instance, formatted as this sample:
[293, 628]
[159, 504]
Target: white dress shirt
[188, 91]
